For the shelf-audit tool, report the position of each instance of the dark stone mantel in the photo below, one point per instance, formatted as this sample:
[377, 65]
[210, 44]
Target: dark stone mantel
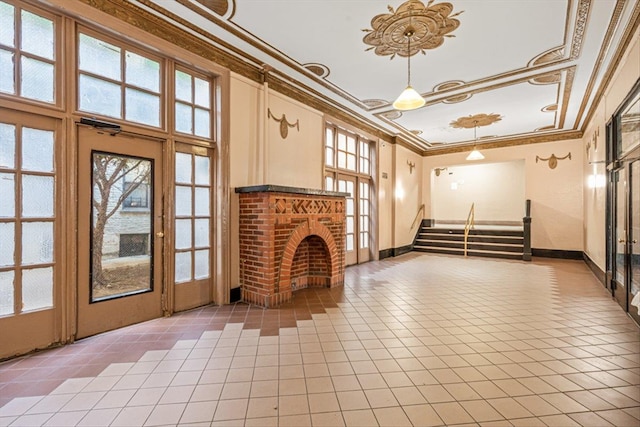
[289, 190]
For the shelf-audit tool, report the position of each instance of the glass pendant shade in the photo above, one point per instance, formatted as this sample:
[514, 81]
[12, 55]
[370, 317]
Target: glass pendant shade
[475, 155]
[409, 99]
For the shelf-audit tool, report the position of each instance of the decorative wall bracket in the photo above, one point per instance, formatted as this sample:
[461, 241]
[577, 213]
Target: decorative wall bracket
[553, 160]
[284, 124]
[594, 142]
[438, 171]
[411, 166]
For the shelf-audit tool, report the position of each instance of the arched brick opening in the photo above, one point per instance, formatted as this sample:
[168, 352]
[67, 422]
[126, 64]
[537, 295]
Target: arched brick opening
[311, 235]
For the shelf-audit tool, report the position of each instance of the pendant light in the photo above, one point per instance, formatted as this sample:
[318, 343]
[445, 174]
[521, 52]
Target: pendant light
[475, 154]
[409, 99]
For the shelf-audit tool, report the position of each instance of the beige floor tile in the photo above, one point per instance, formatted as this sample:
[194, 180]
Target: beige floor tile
[166, 414]
[452, 413]
[537, 406]
[509, 408]
[381, 398]
[487, 389]
[352, 400]
[235, 391]
[323, 402]
[408, 396]
[262, 407]
[461, 391]
[327, 419]
[233, 409]
[614, 397]
[360, 418]
[198, 412]
[391, 417]
[423, 415]
[346, 383]
[527, 422]
[319, 385]
[292, 386]
[481, 411]
[564, 403]
[589, 419]
[559, 420]
[590, 400]
[371, 381]
[295, 420]
[293, 405]
[435, 394]
[512, 387]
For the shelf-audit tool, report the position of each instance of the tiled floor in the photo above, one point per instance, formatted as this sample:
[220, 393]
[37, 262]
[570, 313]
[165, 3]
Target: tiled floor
[419, 340]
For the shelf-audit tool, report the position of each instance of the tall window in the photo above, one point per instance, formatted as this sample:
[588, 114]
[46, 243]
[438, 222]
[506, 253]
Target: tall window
[27, 54]
[117, 82]
[27, 216]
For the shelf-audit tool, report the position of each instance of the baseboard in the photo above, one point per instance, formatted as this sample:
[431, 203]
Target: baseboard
[385, 253]
[234, 295]
[557, 253]
[402, 250]
[601, 275]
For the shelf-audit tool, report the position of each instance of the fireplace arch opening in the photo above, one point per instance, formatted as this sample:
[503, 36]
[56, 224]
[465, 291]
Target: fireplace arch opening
[311, 265]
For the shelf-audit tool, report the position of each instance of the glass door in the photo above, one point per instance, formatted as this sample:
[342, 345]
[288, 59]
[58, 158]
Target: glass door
[633, 286]
[120, 231]
[620, 235]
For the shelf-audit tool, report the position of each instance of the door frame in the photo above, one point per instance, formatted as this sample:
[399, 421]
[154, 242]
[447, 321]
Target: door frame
[136, 307]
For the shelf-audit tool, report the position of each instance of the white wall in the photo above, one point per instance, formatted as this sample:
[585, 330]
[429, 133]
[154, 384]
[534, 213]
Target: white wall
[555, 194]
[385, 195]
[497, 191]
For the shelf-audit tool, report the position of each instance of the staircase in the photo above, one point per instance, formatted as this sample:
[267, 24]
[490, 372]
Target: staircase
[486, 242]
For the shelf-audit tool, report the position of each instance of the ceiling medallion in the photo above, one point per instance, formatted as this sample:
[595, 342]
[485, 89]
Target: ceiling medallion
[478, 120]
[319, 70]
[431, 23]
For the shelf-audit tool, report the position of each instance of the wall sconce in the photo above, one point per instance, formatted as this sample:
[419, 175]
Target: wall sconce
[411, 166]
[553, 160]
[438, 171]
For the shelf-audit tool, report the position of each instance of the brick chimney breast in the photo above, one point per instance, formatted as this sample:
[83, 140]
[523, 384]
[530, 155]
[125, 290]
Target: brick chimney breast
[290, 238]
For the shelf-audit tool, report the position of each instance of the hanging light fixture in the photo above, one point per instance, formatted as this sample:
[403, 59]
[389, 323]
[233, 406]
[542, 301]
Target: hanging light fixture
[409, 99]
[475, 154]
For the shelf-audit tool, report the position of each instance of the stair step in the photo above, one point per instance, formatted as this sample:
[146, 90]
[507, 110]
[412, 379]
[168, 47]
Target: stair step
[500, 246]
[490, 254]
[516, 240]
[475, 232]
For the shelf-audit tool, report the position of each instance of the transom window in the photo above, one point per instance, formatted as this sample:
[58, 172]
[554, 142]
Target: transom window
[192, 104]
[347, 151]
[27, 54]
[117, 82]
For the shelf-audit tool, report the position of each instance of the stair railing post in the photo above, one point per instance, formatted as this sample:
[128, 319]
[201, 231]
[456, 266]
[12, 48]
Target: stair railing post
[526, 223]
[468, 226]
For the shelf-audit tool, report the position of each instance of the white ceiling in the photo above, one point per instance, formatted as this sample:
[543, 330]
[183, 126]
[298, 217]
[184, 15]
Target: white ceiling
[496, 59]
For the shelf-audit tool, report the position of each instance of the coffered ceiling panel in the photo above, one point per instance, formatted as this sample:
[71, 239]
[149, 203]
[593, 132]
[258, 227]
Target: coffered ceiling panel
[537, 64]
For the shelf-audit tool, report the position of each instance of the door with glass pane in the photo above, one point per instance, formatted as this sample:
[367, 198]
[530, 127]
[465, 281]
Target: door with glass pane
[620, 235]
[29, 230]
[633, 286]
[120, 231]
[193, 227]
[364, 218]
[347, 184]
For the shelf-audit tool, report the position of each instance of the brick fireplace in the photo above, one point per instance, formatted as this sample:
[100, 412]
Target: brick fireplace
[290, 238]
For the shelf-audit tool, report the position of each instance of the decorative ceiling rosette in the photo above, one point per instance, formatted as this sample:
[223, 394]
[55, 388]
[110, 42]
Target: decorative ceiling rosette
[431, 24]
[477, 120]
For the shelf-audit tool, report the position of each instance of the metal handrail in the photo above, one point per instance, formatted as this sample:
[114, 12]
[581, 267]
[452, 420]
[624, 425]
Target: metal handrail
[469, 225]
[413, 224]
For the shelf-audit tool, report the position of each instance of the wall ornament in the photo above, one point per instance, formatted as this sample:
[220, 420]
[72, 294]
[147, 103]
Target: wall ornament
[284, 124]
[411, 166]
[553, 160]
[593, 142]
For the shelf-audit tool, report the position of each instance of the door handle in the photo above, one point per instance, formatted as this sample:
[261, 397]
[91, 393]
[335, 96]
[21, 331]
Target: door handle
[621, 240]
[160, 234]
